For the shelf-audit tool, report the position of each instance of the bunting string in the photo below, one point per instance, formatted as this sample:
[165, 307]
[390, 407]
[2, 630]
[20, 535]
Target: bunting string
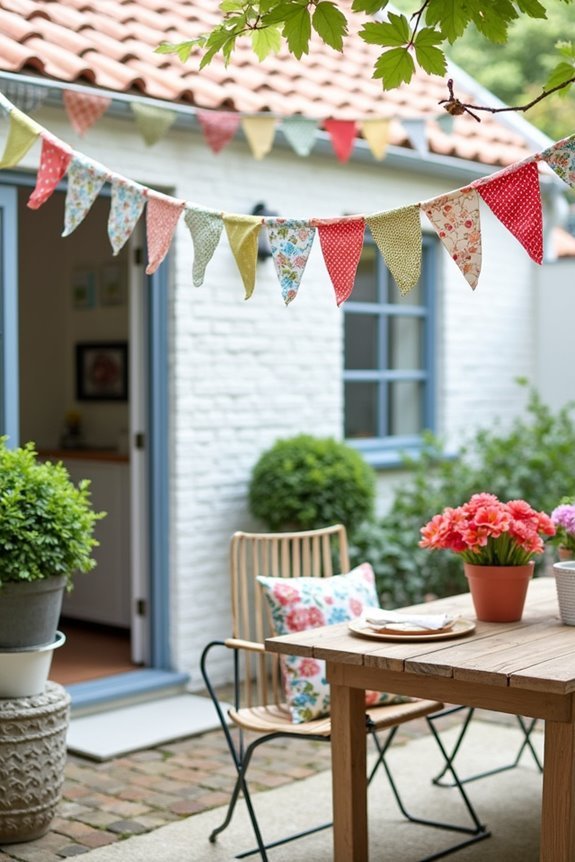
[513, 194]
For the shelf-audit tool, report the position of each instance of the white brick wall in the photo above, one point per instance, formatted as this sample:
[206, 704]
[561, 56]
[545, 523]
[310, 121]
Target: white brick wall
[245, 373]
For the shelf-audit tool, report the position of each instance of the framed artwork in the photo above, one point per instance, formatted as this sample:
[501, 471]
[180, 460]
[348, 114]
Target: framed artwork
[84, 288]
[112, 285]
[102, 371]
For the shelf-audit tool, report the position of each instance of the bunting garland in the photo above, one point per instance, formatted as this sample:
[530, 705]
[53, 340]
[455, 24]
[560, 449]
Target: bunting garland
[513, 195]
[84, 109]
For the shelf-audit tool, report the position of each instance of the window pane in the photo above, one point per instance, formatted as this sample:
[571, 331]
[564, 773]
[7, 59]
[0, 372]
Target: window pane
[361, 410]
[405, 407]
[365, 288]
[414, 297]
[405, 343]
[361, 341]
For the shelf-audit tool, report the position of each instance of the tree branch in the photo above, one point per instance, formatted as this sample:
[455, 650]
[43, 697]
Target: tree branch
[454, 106]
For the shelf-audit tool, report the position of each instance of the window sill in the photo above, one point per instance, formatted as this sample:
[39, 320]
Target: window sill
[391, 457]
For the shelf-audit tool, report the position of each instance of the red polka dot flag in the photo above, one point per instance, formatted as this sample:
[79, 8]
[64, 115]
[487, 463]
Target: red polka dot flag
[514, 197]
[54, 163]
[341, 244]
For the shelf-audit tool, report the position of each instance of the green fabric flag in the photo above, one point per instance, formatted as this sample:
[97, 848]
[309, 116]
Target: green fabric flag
[398, 237]
[206, 228]
[22, 134]
[243, 231]
[153, 123]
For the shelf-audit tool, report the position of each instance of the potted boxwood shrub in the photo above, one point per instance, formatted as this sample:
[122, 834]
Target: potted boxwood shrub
[46, 535]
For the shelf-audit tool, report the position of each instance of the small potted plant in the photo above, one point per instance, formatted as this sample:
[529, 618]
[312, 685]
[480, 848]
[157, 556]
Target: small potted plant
[563, 517]
[497, 542]
[46, 535]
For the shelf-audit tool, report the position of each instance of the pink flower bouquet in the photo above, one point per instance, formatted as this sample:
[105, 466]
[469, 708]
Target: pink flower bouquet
[487, 532]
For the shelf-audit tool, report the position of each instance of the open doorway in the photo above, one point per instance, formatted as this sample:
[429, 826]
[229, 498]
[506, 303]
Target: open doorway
[77, 400]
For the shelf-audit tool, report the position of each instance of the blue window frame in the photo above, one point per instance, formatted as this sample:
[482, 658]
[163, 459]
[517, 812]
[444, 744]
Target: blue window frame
[389, 368]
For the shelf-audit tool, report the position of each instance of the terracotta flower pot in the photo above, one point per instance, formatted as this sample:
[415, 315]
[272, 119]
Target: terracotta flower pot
[498, 592]
[565, 553]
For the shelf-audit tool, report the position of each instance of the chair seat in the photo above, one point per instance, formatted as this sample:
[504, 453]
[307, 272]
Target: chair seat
[277, 718]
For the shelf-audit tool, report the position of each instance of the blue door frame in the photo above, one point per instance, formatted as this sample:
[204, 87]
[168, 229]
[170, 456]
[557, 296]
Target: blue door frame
[9, 394]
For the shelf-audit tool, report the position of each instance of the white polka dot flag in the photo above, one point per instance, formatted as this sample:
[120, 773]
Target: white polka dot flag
[341, 243]
[162, 214]
[218, 127]
[54, 163]
[243, 232]
[514, 196]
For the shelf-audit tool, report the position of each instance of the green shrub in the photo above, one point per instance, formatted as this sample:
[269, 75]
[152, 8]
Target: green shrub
[46, 522]
[307, 482]
[533, 460]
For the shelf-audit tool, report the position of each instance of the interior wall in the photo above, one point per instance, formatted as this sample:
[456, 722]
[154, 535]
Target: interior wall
[553, 337]
[68, 295]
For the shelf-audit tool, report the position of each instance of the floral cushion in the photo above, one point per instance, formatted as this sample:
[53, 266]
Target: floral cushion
[306, 603]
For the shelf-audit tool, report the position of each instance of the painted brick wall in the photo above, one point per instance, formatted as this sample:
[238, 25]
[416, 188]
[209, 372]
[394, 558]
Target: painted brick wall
[245, 373]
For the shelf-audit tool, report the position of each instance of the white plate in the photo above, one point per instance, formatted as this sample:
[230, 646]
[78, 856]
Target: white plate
[456, 630]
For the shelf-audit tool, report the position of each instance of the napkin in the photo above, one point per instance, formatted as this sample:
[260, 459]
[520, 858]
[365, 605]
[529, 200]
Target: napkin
[383, 618]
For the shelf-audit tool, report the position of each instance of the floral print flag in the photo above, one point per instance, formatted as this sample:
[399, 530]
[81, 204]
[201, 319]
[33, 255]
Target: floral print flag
[206, 228]
[128, 201]
[514, 197]
[85, 179]
[341, 243]
[290, 241]
[561, 157]
[455, 217]
[54, 161]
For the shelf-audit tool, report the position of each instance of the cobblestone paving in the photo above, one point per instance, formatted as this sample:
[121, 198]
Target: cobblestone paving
[103, 803]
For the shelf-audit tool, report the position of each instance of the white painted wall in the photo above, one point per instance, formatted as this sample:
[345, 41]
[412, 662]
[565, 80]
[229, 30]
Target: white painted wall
[554, 337]
[245, 373]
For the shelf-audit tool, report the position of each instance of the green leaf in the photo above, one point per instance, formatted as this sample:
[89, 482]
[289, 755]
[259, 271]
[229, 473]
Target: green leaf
[394, 67]
[393, 33]
[231, 5]
[220, 39]
[430, 58]
[330, 24]
[370, 7]
[566, 49]
[451, 16]
[182, 49]
[532, 8]
[266, 41]
[493, 26]
[297, 31]
[559, 75]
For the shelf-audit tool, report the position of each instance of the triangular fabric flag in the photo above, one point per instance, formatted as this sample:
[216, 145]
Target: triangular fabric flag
[21, 135]
[260, 133]
[126, 207]
[218, 127]
[561, 157]
[153, 123]
[290, 241]
[85, 179]
[342, 134]
[162, 214]
[83, 109]
[417, 134]
[300, 133]
[242, 231]
[515, 198]
[26, 97]
[54, 161]
[376, 132]
[398, 237]
[206, 228]
[455, 217]
[341, 244]
[445, 122]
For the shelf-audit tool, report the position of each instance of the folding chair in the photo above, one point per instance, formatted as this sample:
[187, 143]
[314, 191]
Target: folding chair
[259, 706]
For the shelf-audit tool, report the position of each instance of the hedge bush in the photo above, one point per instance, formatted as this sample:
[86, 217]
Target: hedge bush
[533, 459]
[307, 482]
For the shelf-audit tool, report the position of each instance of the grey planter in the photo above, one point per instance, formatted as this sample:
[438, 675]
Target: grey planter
[29, 612]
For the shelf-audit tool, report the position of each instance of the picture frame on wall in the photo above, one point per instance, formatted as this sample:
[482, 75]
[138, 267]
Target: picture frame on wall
[102, 371]
[84, 283]
[112, 285]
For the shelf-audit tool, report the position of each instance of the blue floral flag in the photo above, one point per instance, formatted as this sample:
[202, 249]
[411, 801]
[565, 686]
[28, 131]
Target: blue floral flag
[85, 179]
[561, 157]
[290, 241]
[128, 201]
[206, 228]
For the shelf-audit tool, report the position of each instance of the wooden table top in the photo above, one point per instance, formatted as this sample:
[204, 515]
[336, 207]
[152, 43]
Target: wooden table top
[536, 654]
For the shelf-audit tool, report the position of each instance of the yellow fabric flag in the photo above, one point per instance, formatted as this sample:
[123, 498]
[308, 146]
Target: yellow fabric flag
[398, 237]
[260, 132]
[376, 132]
[243, 232]
[22, 134]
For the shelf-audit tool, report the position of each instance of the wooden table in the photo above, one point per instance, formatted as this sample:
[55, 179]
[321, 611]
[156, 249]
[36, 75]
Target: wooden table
[524, 668]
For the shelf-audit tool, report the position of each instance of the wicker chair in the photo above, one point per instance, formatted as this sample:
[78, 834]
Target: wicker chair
[259, 706]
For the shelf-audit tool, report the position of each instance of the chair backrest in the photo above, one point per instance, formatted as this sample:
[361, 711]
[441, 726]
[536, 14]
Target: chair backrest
[311, 553]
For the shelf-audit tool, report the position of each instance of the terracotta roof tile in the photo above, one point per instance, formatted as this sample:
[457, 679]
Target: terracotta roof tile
[110, 43]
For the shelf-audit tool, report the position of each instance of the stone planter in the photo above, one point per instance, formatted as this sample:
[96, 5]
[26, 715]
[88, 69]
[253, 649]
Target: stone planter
[32, 761]
[29, 612]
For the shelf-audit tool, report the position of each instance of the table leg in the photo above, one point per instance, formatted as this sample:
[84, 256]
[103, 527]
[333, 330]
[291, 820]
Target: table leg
[558, 810]
[349, 771]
